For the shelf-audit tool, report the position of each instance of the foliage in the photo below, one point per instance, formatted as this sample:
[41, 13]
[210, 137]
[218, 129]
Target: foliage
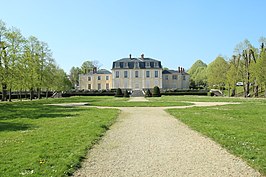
[238, 129]
[148, 93]
[74, 76]
[119, 93]
[216, 72]
[198, 74]
[126, 94]
[156, 92]
[27, 64]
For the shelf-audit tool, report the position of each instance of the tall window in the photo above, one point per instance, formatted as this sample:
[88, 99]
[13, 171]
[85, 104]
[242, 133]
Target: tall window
[136, 74]
[99, 78]
[107, 86]
[174, 77]
[184, 77]
[89, 86]
[107, 78]
[166, 77]
[89, 78]
[156, 74]
[125, 74]
[126, 64]
[117, 74]
[147, 73]
[99, 86]
[156, 64]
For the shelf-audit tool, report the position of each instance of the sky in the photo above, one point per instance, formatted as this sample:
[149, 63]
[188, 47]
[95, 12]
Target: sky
[176, 32]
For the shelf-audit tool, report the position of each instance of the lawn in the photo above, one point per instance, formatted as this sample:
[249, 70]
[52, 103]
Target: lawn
[42, 140]
[241, 129]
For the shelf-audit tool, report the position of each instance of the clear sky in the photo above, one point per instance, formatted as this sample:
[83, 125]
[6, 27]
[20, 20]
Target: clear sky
[177, 32]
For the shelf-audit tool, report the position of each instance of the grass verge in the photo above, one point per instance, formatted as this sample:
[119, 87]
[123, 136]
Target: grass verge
[241, 129]
[41, 140]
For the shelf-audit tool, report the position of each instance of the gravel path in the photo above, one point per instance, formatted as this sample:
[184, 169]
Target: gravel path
[148, 142]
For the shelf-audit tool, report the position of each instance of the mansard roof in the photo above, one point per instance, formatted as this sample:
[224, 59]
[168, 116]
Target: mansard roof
[141, 63]
[174, 72]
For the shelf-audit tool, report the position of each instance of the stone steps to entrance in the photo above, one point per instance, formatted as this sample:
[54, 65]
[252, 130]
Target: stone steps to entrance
[137, 93]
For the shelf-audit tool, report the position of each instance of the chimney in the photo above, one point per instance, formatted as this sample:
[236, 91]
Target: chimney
[142, 56]
[129, 56]
[94, 71]
[179, 69]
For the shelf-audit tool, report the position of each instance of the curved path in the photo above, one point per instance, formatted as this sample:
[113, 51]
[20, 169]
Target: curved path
[148, 142]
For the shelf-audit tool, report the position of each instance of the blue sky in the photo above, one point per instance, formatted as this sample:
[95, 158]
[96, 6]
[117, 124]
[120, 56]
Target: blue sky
[177, 32]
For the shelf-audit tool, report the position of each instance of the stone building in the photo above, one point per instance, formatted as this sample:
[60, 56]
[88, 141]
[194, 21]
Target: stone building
[136, 73]
[96, 80]
[175, 79]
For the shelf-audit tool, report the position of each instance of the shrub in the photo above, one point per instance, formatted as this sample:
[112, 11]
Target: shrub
[156, 92]
[119, 93]
[126, 94]
[148, 93]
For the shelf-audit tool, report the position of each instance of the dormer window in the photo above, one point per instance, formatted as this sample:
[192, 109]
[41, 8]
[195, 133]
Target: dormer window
[117, 64]
[126, 65]
[148, 64]
[156, 64]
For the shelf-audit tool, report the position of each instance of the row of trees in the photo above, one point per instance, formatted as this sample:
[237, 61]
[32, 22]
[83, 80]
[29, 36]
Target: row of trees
[247, 66]
[26, 64]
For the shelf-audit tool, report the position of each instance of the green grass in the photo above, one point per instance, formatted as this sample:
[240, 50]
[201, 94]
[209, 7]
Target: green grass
[41, 140]
[120, 102]
[241, 129]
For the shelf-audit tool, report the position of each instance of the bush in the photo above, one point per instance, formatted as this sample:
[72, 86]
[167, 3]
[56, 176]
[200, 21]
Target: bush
[126, 94]
[119, 93]
[156, 92]
[148, 93]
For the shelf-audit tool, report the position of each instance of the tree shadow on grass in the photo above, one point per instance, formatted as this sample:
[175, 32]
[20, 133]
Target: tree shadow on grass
[10, 126]
[35, 111]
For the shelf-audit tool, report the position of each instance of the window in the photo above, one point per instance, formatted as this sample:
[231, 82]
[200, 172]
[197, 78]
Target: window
[107, 78]
[126, 65]
[147, 73]
[89, 86]
[174, 77]
[166, 77]
[125, 74]
[136, 74]
[99, 86]
[117, 64]
[156, 64]
[117, 74]
[99, 78]
[148, 64]
[156, 73]
[89, 78]
[184, 77]
[107, 86]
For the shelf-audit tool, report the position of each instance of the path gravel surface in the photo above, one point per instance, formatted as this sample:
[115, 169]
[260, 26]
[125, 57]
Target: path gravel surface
[148, 142]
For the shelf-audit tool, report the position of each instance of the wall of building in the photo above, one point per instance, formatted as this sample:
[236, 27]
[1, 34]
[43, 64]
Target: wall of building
[176, 81]
[127, 78]
[95, 81]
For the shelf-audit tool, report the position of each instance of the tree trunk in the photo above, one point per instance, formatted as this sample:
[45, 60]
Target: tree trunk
[256, 91]
[4, 92]
[39, 93]
[10, 95]
[26, 94]
[31, 93]
[20, 95]
[47, 91]
[233, 92]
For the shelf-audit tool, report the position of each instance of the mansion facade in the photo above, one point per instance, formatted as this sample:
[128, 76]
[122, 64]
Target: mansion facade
[135, 74]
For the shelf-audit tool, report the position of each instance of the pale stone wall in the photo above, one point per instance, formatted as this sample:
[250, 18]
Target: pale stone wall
[94, 82]
[136, 83]
[179, 81]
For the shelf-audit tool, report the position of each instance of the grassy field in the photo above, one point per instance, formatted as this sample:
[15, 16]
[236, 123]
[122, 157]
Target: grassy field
[121, 102]
[41, 140]
[241, 129]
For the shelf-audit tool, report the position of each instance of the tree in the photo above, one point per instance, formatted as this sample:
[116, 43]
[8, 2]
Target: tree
[156, 92]
[74, 76]
[216, 72]
[198, 74]
[88, 66]
[232, 76]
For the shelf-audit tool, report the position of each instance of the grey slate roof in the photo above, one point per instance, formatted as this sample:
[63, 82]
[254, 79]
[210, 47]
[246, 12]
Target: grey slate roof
[141, 63]
[103, 71]
[173, 72]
